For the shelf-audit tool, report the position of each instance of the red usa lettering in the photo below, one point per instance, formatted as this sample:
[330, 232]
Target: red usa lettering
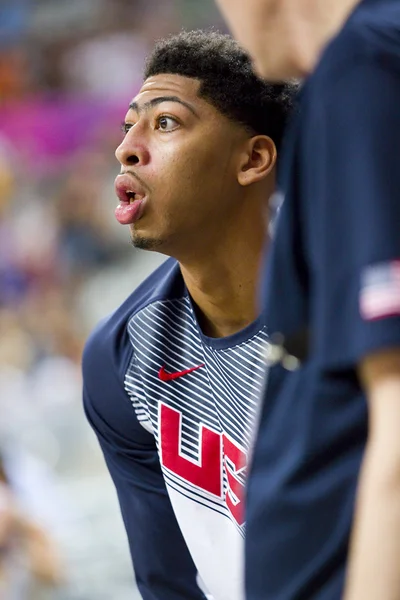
[205, 472]
[216, 451]
[235, 465]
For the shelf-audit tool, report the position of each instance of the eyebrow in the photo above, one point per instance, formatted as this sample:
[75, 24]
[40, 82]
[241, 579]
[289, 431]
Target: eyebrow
[155, 101]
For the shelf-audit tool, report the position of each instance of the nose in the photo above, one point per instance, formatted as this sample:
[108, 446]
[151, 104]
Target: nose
[132, 151]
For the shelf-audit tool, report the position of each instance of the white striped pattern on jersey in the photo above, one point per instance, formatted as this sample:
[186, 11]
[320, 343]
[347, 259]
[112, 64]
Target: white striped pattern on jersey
[223, 395]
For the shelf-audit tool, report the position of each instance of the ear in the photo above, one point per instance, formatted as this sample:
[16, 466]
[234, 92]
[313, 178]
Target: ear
[257, 160]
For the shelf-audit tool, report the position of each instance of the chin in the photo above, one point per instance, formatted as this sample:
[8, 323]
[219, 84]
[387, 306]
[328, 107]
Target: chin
[145, 242]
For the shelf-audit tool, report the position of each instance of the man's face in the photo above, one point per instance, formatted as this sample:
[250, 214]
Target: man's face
[284, 37]
[178, 183]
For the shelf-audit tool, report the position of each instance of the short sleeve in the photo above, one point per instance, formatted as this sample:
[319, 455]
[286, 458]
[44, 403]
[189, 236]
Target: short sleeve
[355, 236]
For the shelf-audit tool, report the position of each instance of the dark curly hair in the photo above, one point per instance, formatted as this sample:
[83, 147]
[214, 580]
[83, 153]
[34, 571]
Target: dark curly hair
[227, 78]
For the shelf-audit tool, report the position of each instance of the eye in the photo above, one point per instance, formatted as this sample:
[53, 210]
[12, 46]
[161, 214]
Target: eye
[125, 127]
[167, 124]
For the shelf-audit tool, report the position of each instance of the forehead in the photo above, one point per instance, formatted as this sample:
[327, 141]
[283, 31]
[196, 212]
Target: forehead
[185, 88]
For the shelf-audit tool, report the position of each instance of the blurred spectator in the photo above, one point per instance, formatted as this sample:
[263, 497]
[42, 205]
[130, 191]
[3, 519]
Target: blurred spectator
[25, 549]
[12, 283]
[14, 74]
[14, 20]
[68, 70]
[106, 64]
[85, 232]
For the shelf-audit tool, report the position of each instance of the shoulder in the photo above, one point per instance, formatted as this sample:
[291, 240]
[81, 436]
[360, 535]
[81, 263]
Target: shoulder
[358, 74]
[368, 42]
[108, 346]
[108, 352]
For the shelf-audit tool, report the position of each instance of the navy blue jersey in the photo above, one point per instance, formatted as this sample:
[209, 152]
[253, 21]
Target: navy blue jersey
[332, 296]
[173, 410]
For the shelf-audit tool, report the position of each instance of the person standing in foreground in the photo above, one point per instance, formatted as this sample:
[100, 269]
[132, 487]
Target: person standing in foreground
[336, 263]
[171, 379]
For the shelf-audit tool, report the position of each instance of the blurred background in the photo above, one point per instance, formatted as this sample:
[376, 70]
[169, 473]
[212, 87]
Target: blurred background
[68, 69]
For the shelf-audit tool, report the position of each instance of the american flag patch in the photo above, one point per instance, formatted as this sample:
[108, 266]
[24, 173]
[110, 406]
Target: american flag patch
[380, 291]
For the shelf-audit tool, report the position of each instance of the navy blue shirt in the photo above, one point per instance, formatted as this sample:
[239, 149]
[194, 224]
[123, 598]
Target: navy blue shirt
[332, 291]
[174, 410]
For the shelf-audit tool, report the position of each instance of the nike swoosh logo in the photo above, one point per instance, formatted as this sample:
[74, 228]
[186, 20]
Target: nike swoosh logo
[164, 376]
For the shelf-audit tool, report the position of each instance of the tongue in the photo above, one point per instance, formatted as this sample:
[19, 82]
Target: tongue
[127, 214]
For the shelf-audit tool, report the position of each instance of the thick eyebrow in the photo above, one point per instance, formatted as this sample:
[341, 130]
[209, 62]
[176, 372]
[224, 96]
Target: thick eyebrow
[154, 101]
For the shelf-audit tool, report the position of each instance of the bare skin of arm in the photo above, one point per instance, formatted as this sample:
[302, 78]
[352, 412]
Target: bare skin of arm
[40, 552]
[44, 562]
[373, 572]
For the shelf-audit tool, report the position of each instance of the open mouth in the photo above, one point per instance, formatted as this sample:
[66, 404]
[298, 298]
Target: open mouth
[131, 197]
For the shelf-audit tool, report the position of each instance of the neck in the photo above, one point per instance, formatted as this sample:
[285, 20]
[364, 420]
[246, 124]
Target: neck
[223, 282]
[314, 28]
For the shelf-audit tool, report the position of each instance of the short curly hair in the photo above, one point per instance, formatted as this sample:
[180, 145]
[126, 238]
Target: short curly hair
[228, 80]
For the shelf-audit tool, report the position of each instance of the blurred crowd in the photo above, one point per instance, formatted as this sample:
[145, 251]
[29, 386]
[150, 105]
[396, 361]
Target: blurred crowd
[68, 69]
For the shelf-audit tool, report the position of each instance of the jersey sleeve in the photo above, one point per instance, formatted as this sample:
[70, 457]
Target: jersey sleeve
[163, 566]
[356, 217]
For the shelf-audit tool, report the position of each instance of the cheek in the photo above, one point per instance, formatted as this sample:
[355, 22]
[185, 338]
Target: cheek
[190, 173]
[210, 158]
